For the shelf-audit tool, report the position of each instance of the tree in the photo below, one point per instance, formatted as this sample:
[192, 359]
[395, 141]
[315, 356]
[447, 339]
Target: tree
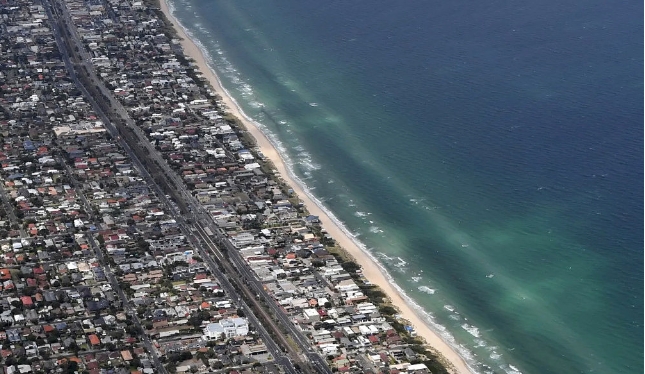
[52, 337]
[70, 367]
[350, 266]
[388, 310]
[133, 330]
[195, 320]
[135, 363]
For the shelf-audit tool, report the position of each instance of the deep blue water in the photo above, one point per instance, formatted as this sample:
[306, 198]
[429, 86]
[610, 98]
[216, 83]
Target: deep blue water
[490, 154]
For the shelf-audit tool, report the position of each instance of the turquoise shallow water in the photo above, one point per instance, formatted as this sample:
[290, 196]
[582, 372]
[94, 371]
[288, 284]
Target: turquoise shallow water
[488, 154]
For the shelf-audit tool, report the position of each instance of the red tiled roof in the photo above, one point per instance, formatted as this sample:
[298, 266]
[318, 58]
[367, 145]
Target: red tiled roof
[5, 274]
[94, 340]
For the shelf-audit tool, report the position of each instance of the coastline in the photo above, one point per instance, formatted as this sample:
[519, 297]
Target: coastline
[371, 270]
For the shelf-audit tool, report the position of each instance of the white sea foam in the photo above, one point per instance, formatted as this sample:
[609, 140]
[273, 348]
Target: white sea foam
[513, 370]
[375, 230]
[480, 343]
[401, 262]
[416, 201]
[384, 256]
[246, 89]
[308, 165]
[472, 330]
[449, 308]
[426, 289]
[360, 214]
[416, 279]
[306, 162]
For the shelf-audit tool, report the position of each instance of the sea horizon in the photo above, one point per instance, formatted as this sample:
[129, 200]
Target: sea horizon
[438, 289]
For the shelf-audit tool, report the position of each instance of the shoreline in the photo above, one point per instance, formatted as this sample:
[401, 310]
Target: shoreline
[370, 269]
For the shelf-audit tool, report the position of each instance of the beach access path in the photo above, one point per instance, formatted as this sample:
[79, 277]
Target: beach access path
[370, 269]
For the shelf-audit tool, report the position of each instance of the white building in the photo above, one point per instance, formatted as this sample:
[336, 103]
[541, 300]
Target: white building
[227, 328]
[366, 308]
[417, 367]
[347, 286]
[311, 314]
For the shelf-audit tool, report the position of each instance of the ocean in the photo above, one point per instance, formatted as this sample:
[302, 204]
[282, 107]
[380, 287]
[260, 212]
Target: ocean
[488, 154]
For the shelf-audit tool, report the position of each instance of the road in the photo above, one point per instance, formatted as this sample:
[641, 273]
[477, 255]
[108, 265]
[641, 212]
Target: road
[201, 219]
[111, 277]
[10, 209]
[273, 348]
[257, 287]
[279, 357]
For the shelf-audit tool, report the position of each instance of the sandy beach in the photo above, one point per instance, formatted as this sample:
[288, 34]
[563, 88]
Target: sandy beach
[370, 269]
